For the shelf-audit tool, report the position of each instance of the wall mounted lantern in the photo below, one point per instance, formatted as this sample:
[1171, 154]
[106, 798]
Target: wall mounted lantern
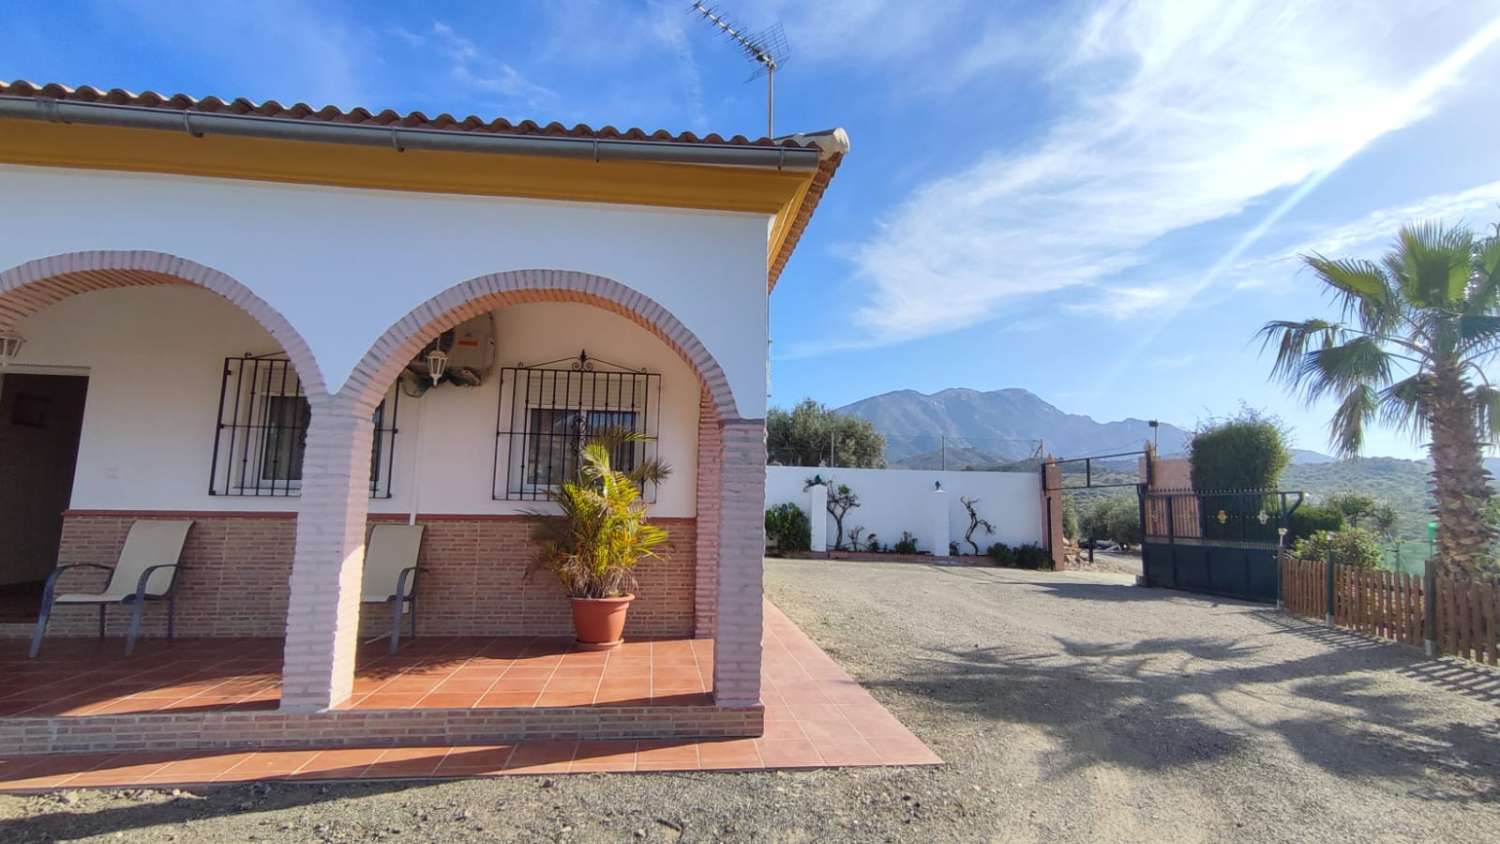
[437, 363]
[10, 347]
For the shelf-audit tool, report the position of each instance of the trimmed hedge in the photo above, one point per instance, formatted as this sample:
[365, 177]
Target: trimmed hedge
[1246, 452]
[1310, 519]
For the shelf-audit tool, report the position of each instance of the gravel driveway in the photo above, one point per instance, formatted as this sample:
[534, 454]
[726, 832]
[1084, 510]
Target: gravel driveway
[1070, 707]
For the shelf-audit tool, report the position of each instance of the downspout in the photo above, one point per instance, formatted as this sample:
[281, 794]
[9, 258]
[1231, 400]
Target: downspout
[200, 123]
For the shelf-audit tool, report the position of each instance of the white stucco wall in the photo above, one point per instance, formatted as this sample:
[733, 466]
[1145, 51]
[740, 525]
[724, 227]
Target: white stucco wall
[154, 357]
[343, 265]
[894, 500]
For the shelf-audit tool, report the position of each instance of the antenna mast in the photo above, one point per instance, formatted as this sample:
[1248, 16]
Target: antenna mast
[767, 49]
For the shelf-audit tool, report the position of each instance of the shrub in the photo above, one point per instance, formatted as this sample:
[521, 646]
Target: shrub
[1033, 556]
[1247, 451]
[788, 528]
[1348, 547]
[907, 544]
[1311, 519]
[1069, 517]
[1028, 556]
[1116, 519]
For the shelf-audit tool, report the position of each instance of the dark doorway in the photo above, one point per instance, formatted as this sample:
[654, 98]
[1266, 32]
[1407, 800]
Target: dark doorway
[41, 418]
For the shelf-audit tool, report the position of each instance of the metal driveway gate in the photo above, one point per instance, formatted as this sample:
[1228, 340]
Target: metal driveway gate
[1220, 543]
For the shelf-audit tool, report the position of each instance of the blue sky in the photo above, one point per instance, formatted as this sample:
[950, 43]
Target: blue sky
[1099, 202]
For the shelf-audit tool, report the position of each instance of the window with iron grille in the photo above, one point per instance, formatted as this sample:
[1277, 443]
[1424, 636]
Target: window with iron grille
[261, 436]
[548, 411]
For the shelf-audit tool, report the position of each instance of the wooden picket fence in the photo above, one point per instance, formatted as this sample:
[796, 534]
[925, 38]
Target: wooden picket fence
[1379, 603]
[1303, 587]
[1466, 618]
[1392, 605]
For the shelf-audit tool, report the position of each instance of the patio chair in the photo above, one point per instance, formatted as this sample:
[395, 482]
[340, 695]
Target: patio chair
[146, 571]
[391, 574]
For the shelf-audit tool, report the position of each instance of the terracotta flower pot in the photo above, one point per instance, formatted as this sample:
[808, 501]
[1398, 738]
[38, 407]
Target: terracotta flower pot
[600, 622]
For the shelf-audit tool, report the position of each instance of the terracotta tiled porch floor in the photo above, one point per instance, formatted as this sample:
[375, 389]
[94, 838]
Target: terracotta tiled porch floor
[89, 677]
[816, 716]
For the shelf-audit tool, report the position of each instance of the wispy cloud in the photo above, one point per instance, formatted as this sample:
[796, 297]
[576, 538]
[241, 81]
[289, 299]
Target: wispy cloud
[1177, 114]
[477, 70]
[1124, 302]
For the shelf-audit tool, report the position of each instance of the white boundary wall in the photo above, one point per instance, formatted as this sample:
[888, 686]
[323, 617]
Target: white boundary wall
[896, 500]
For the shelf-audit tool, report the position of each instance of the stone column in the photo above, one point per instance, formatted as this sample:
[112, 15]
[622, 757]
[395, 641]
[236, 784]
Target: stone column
[742, 545]
[817, 517]
[937, 522]
[322, 623]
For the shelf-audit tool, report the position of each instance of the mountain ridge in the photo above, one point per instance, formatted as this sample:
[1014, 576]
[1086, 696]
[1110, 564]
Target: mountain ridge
[1006, 424]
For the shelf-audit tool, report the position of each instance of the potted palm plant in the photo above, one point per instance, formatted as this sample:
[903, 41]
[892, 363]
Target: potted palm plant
[593, 546]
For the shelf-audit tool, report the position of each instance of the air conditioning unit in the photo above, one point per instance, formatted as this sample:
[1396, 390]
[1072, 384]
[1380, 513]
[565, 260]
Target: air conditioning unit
[469, 349]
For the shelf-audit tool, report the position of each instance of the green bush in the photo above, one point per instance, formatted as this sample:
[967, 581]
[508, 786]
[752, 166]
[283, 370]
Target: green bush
[1247, 451]
[1029, 556]
[1310, 519]
[1349, 547]
[1069, 517]
[788, 528]
[1116, 519]
[907, 544]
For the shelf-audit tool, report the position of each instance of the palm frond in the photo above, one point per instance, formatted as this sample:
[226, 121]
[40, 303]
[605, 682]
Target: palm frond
[1484, 292]
[1433, 264]
[1362, 288]
[1293, 340]
[1346, 432]
[1339, 369]
[1478, 333]
[1402, 405]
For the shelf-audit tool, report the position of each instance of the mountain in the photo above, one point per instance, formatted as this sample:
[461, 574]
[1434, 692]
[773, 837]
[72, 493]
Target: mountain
[973, 427]
[1302, 456]
[1400, 483]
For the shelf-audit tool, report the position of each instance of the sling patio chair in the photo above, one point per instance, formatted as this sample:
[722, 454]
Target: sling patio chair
[391, 574]
[146, 571]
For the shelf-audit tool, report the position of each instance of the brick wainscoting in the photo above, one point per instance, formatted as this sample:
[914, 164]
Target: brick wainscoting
[236, 567]
[395, 727]
[477, 584]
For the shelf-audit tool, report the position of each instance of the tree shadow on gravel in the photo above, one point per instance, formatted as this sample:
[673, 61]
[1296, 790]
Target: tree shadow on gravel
[1451, 674]
[187, 804]
[1181, 702]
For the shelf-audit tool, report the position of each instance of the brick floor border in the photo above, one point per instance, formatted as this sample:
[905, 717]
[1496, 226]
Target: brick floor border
[367, 728]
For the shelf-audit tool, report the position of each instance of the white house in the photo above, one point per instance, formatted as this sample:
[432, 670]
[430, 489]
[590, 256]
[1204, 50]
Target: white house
[208, 308]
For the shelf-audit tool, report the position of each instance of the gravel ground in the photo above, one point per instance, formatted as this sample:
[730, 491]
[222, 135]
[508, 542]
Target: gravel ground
[1070, 707]
[1110, 561]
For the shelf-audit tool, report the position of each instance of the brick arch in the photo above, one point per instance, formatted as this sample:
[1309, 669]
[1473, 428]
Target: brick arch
[28, 288]
[383, 362]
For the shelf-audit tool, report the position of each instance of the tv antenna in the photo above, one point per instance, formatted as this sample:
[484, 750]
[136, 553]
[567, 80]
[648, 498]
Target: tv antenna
[768, 49]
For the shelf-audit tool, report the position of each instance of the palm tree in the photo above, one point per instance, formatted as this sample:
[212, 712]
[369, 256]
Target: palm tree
[1408, 351]
[593, 546]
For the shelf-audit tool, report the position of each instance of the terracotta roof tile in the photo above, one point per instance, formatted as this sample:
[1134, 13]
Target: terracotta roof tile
[386, 117]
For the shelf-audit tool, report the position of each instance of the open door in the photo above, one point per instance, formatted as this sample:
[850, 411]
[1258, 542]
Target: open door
[41, 419]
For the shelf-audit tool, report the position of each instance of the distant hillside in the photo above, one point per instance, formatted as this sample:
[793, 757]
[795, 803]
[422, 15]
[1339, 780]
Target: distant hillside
[976, 428]
[1399, 483]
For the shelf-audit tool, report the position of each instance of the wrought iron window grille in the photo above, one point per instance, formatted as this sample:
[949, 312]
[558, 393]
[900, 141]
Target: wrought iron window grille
[261, 431]
[546, 412]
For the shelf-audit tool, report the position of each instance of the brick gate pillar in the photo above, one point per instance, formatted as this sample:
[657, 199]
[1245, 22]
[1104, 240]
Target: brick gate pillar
[742, 546]
[322, 622]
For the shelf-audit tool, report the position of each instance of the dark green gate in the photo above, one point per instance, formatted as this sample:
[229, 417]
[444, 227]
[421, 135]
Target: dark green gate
[1219, 543]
